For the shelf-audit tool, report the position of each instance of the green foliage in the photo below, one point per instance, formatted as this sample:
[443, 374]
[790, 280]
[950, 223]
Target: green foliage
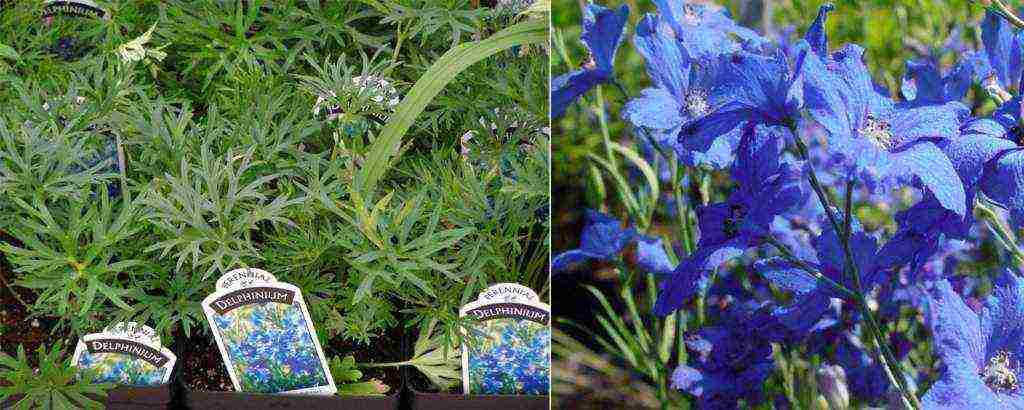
[207, 213]
[53, 384]
[70, 255]
[227, 165]
[432, 357]
[347, 377]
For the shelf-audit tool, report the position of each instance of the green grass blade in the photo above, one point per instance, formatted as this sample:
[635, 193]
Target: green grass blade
[443, 71]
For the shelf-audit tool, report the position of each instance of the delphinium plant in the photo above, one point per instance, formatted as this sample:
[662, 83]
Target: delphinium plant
[146, 154]
[790, 223]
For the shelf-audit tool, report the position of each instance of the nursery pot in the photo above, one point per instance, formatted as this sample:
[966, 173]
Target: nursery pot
[127, 398]
[423, 399]
[450, 401]
[200, 399]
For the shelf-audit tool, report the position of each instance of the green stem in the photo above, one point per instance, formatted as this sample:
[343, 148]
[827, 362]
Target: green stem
[885, 357]
[1002, 232]
[1006, 12]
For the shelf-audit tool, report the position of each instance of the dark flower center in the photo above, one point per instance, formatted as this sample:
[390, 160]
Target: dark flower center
[731, 225]
[1016, 134]
[1000, 374]
[696, 103]
[590, 63]
[878, 131]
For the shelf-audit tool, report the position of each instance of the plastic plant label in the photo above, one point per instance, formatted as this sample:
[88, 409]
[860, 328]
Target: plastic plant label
[265, 335]
[508, 350]
[81, 8]
[126, 353]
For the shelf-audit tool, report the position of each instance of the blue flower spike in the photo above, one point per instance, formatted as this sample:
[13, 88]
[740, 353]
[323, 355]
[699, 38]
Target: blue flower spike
[602, 34]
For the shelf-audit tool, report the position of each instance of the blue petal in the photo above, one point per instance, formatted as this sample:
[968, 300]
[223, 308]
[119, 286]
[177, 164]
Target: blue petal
[757, 156]
[824, 98]
[804, 313]
[970, 152]
[656, 108]
[566, 260]
[984, 127]
[921, 82]
[862, 95]
[786, 275]
[931, 121]
[1003, 182]
[667, 63]
[651, 256]
[1002, 49]
[688, 379]
[603, 238]
[602, 33]
[704, 32]
[816, 35]
[833, 257]
[604, 235]
[758, 83]
[568, 87]
[1002, 318]
[711, 133]
[936, 173]
[955, 328]
[688, 279]
[959, 388]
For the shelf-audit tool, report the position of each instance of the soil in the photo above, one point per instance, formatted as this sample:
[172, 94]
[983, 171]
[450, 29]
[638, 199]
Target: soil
[200, 365]
[17, 328]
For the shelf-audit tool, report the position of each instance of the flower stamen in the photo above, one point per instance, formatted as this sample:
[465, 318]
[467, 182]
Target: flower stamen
[696, 103]
[878, 131]
[1000, 374]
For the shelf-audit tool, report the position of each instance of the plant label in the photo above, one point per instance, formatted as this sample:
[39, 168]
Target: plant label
[81, 8]
[508, 350]
[266, 336]
[126, 353]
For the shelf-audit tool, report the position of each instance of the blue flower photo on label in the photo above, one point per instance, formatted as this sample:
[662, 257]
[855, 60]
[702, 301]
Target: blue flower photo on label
[270, 347]
[511, 356]
[121, 369]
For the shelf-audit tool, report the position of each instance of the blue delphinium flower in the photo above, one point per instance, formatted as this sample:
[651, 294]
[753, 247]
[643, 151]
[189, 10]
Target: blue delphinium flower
[980, 352]
[923, 230]
[603, 238]
[881, 142]
[705, 30]
[1001, 59]
[812, 297]
[989, 158]
[923, 84]
[681, 92]
[750, 89]
[768, 186]
[731, 360]
[602, 33]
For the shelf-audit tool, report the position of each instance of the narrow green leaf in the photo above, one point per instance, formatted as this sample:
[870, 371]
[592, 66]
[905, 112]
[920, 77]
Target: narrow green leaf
[430, 84]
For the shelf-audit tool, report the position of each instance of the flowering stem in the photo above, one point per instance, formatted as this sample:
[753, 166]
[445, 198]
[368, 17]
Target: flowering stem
[1006, 12]
[788, 255]
[885, 357]
[1003, 233]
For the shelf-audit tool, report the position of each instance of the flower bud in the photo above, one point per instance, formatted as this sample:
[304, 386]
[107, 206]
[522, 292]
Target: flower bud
[832, 385]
